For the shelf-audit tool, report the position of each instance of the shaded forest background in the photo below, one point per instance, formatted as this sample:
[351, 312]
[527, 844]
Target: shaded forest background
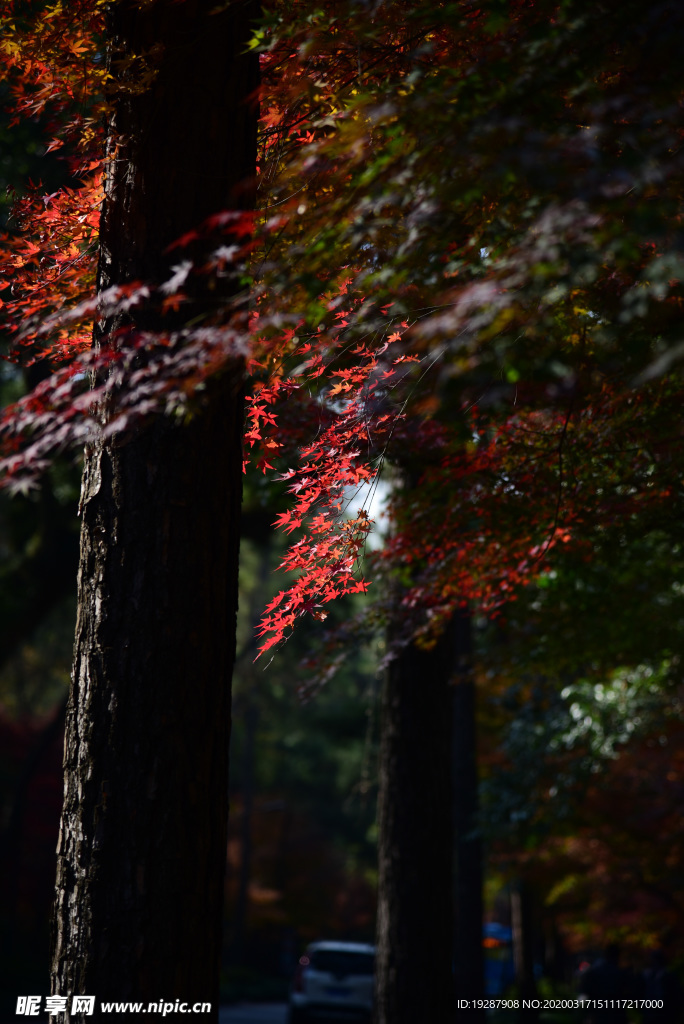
[581, 739]
[581, 759]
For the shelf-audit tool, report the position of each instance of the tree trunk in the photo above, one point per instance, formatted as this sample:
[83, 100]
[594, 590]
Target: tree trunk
[523, 949]
[468, 909]
[141, 853]
[251, 719]
[414, 971]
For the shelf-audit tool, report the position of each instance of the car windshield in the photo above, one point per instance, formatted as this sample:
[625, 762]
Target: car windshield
[340, 963]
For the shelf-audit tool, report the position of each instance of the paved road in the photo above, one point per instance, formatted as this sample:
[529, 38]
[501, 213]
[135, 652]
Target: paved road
[254, 1013]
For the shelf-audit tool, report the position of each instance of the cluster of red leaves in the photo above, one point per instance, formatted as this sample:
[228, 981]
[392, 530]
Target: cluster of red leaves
[49, 58]
[473, 534]
[52, 264]
[55, 74]
[343, 459]
[111, 389]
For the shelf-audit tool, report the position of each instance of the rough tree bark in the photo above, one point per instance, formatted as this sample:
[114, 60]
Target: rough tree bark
[429, 947]
[141, 852]
[522, 919]
[415, 927]
[468, 868]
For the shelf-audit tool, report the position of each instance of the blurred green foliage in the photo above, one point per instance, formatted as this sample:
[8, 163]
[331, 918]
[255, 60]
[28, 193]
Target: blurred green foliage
[23, 159]
[582, 728]
[313, 774]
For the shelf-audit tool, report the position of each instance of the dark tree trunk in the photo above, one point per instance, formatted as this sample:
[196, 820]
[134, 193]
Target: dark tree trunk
[251, 719]
[468, 909]
[555, 958]
[141, 853]
[522, 920]
[414, 971]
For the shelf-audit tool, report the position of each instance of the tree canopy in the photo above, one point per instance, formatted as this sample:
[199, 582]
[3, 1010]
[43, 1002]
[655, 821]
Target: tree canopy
[468, 248]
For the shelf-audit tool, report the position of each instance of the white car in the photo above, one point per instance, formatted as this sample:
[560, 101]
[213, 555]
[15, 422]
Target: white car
[333, 981]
